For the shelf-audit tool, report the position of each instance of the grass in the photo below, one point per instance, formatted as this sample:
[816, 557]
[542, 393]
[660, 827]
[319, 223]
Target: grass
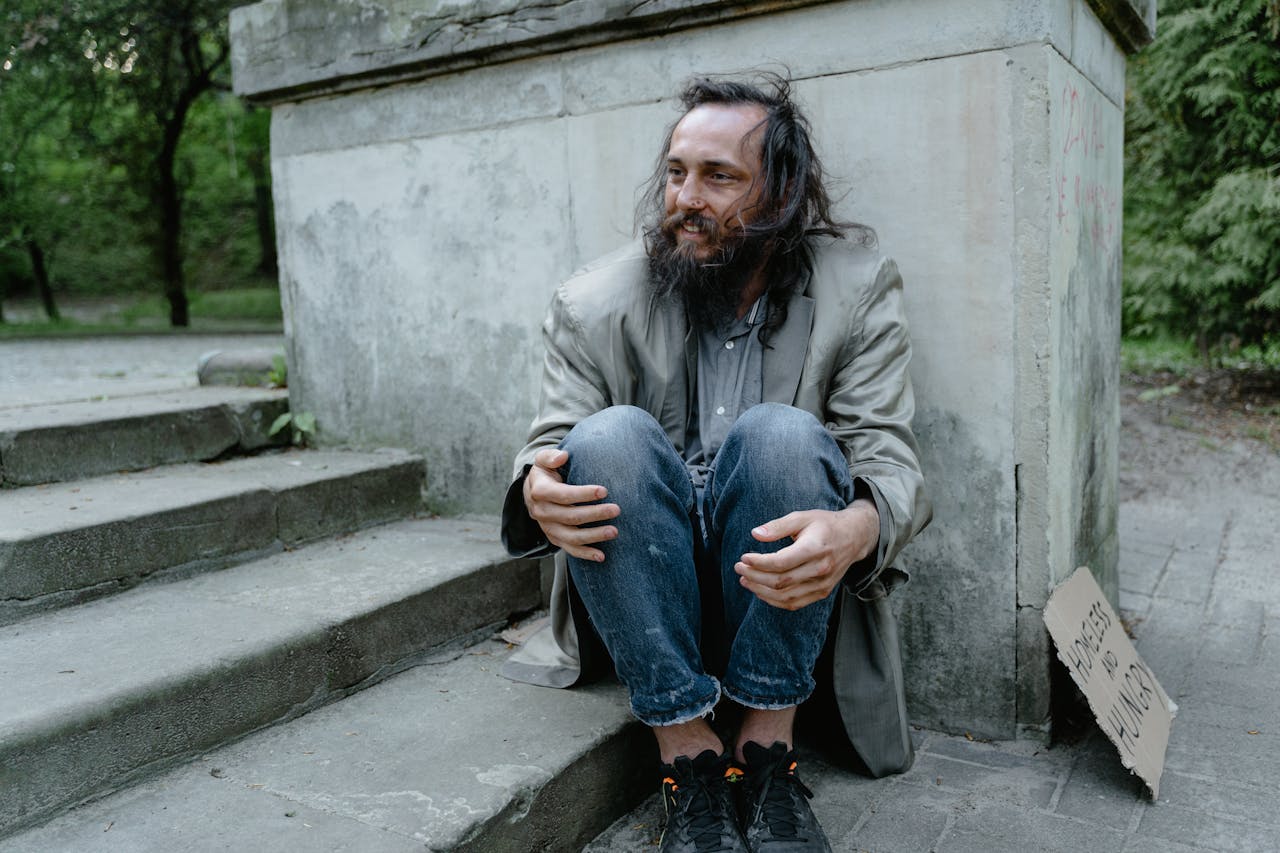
[260, 305]
[256, 308]
[1180, 357]
[1158, 355]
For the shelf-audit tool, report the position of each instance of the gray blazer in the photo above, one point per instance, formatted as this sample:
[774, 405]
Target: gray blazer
[842, 355]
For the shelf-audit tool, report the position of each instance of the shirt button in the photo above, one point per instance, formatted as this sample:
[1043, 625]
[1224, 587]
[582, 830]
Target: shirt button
[720, 411]
[728, 344]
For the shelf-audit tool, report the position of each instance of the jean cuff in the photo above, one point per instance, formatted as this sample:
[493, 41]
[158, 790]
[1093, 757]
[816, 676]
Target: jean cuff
[682, 715]
[762, 703]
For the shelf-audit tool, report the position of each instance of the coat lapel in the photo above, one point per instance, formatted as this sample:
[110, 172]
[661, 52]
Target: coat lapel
[783, 360]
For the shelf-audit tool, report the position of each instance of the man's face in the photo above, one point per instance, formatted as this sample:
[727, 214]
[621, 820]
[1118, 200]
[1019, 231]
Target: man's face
[712, 169]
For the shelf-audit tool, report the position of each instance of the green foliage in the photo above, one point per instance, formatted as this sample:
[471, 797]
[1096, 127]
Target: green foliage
[215, 165]
[1160, 354]
[1159, 393]
[1202, 186]
[121, 155]
[278, 375]
[303, 424]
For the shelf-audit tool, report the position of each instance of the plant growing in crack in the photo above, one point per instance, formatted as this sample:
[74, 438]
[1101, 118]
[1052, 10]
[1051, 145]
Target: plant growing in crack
[302, 424]
[278, 375]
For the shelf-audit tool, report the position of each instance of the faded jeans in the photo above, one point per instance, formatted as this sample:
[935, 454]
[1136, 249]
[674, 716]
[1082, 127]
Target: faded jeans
[647, 599]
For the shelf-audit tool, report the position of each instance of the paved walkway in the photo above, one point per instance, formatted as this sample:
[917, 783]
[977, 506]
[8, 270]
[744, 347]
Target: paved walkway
[62, 370]
[1200, 583]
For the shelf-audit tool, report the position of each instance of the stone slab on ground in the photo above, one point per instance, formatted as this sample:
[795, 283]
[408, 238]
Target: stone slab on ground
[65, 540]
[239, 367]
[97, 692]
[446, 756]
[70, 441]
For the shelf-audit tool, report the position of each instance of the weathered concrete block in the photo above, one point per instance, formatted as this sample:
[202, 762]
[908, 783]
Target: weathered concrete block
[67, 542]
[71, 538]
[983, 143]
[237, 367]
[273, 55]
[68, 441]
[349, 498]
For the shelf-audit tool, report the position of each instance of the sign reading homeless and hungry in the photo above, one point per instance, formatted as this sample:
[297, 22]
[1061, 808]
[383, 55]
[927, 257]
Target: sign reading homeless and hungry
[1122, 692]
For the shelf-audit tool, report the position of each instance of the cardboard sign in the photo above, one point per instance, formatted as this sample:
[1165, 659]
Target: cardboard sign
[1123, 694]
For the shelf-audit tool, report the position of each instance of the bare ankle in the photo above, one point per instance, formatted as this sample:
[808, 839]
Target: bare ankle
[765, 727]
[691, 739]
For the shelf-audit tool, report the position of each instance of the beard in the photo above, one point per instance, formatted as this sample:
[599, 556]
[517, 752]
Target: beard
[710, 288]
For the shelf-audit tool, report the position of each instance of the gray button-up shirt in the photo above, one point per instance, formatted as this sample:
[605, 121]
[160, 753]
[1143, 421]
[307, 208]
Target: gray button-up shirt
[730, 367]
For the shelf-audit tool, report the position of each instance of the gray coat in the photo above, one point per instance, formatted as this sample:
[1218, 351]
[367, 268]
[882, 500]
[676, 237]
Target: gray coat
[842, 355]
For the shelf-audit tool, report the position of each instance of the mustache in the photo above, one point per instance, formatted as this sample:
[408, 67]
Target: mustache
[706, 224]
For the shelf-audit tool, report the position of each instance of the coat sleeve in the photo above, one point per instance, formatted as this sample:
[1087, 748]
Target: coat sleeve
[572, 388]
[869, 407]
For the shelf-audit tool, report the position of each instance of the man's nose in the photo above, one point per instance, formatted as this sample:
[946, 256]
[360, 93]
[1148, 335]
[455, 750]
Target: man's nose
[690, 196]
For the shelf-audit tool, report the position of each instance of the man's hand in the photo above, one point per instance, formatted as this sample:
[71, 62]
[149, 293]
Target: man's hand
[825, 545]
[559, 509]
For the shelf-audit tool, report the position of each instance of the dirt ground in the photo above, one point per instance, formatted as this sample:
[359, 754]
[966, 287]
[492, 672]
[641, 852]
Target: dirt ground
[1218, 407]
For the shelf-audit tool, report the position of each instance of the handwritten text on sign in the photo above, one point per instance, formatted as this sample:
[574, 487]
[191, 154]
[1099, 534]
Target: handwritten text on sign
[1123, 693]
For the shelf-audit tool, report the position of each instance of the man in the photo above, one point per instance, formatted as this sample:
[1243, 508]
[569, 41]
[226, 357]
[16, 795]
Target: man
[723, 457]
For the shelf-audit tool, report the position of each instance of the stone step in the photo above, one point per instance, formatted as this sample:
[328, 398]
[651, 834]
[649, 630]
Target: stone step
[68, 441]
[446, 756]
[99, 695]
[63, 543]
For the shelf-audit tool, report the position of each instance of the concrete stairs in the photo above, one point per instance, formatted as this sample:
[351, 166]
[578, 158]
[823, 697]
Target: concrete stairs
[278, 651]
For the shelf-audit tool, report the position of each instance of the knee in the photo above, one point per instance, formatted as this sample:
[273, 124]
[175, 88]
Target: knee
[611, 432]
[619, 445]
[776, 434]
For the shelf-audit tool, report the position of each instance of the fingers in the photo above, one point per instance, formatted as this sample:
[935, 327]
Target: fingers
[780, 528]
[545, 487]
[793, 597]
[576, 541]
[550, 457]
[570, 516]
[790, 567]
[799, 574]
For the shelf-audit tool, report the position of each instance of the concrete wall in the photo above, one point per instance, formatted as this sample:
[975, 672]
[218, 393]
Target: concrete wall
[424, 224]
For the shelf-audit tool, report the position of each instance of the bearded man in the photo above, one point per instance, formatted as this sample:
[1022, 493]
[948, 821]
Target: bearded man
[724, 461]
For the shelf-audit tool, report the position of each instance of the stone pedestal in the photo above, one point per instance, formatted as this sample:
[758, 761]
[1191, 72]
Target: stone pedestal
[440, 166]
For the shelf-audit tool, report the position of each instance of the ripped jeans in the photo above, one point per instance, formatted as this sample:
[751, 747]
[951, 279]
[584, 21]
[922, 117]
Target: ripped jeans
[670, 566]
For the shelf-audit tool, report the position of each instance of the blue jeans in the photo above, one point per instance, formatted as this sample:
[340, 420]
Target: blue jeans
[646, 599]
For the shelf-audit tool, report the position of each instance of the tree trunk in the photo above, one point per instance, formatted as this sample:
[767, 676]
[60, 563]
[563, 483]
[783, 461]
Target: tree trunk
[41, 273]
[169, 205]
[267, 263]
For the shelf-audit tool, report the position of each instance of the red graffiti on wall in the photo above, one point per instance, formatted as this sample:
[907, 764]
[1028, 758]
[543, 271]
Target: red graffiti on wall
[1080, 195]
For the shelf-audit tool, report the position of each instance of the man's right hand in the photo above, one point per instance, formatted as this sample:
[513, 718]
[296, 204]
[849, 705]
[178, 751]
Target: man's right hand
[561, 510]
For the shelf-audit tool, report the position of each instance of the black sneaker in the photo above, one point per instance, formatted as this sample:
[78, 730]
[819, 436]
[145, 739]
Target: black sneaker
[700, 812]
[776, 817]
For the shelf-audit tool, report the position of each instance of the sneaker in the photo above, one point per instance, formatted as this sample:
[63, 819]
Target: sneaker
[700, 812]
[774, 804]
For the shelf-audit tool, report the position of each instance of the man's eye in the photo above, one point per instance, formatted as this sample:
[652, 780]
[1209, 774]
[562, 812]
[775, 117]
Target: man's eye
[675, 173]
[721, 176]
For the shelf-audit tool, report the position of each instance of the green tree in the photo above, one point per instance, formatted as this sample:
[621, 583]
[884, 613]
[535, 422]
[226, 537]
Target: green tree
[228, 230]
[168, 54]
[1202, 185]
[36, 101]
[125, 75]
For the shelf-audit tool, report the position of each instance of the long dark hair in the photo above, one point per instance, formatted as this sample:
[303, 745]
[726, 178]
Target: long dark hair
[794, 205]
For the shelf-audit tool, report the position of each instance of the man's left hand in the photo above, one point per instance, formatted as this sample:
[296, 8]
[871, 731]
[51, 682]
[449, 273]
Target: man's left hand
[825, 545]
